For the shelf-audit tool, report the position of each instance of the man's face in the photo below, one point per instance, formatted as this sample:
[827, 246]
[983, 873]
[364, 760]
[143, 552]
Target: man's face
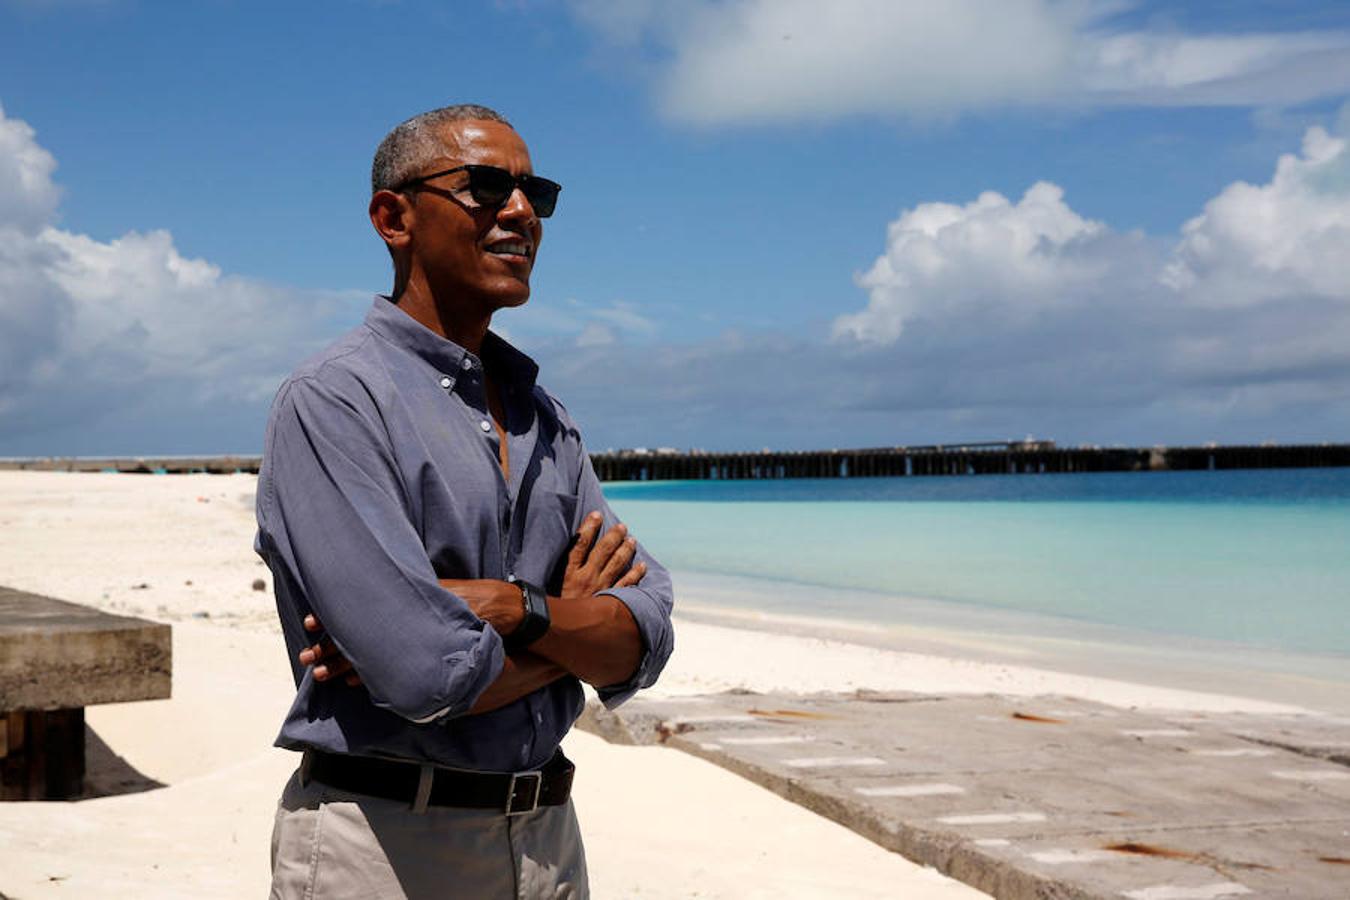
[473, 254]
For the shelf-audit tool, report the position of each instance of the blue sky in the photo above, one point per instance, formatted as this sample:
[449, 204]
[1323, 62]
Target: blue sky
[783, 223]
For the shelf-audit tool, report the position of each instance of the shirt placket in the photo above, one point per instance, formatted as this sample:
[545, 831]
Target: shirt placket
[472, 398]
[522, 431]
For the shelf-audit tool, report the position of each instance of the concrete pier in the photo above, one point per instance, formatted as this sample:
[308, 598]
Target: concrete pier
[989, 458]
[981, 458]
[1044, 798]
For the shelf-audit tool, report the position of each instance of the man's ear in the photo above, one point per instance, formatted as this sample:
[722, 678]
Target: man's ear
[392, 216]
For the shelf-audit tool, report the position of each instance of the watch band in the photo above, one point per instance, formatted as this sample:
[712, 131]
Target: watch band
[536, 621]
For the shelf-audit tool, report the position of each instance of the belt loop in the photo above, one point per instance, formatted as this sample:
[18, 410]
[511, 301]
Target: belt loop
[306, 763]
[424, 780]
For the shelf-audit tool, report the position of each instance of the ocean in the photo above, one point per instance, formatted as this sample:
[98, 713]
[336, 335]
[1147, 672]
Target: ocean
[1234, 559]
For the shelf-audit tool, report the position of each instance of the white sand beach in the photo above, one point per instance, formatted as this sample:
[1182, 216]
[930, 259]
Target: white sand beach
[177, 549]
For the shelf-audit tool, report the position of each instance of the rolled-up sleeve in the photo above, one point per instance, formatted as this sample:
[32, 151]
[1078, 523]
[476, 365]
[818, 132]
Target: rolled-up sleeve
[334, 517]
[650, 601]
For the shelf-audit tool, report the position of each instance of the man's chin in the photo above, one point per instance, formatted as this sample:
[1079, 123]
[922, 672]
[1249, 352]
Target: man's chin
[517, 296]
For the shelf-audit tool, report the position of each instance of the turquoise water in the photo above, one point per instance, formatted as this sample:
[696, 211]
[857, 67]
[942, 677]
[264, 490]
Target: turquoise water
[1257, 557]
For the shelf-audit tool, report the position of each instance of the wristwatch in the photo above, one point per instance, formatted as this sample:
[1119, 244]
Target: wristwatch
[536, 621]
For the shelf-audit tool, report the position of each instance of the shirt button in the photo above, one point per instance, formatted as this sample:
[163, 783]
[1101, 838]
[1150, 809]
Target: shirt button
[466, 364]
[446, 382]
[485, 425]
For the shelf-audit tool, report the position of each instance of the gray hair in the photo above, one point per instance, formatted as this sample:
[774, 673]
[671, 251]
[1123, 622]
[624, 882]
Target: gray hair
[413, 143]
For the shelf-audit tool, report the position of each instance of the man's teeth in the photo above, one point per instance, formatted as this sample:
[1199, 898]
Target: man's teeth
[509, 247]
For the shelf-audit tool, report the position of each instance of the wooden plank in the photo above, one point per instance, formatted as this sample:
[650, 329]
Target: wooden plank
[45, 758]
[63, 753]
[14, 764]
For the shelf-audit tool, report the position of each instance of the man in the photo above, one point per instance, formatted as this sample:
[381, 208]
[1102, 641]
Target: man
[434, 512]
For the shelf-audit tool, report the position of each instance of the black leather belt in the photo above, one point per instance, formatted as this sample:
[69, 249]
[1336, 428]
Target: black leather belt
[512, 793]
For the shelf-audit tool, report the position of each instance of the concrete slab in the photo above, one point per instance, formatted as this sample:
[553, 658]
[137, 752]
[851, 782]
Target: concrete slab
[59, 655]
[1049, 797]
[1320, 737]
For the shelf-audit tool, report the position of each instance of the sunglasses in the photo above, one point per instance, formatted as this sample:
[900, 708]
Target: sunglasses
[491, 186]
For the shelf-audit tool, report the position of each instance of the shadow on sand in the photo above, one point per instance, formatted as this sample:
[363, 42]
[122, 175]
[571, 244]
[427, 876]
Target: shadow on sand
[108, 775]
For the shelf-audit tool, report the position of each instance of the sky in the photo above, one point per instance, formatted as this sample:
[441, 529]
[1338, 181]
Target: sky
[783, 224]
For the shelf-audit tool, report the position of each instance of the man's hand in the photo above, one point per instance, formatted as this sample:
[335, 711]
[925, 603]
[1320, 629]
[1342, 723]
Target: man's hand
[594, 566]
[594, 635]
[328, 663]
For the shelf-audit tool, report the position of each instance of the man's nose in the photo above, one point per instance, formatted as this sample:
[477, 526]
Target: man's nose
[518, 208]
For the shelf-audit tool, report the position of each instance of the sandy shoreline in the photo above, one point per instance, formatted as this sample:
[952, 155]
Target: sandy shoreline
[178, 549]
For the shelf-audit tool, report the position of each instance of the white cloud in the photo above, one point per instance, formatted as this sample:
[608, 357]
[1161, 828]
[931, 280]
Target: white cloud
[1290, 237]
[1253, 245]
[989, 254]
[756, 61]
[90, 329]
[626, 317]
[595, 335]
[1242, 70]
[28, 197]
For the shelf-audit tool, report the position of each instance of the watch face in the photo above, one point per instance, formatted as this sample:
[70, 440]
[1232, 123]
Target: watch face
[536, 620]
[536, 603]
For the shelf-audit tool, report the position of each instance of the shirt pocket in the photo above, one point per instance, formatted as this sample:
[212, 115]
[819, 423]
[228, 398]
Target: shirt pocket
[550, 525]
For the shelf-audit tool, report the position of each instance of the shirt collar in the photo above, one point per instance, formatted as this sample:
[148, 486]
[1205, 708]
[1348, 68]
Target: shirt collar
[507, 363]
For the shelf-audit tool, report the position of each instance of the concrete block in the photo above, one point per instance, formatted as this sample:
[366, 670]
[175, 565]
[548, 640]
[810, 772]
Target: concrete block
[59, 655]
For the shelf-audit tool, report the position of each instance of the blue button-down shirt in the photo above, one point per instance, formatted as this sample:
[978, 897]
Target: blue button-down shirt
[380, 476]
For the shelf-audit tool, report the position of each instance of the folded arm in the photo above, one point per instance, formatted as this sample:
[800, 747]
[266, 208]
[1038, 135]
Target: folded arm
[592, 636]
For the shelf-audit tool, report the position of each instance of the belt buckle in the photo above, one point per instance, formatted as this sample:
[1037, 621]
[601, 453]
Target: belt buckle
[533, 796]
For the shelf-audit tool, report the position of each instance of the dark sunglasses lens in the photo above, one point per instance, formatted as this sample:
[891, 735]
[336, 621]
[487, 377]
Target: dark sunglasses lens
[542, 194]
[490, 186]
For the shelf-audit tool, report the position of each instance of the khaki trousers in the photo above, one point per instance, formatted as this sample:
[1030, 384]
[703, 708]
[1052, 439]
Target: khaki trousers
[329, 844]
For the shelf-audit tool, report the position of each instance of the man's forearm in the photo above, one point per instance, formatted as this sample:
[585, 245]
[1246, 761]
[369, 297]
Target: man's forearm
[523, 673]
[595, 638]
